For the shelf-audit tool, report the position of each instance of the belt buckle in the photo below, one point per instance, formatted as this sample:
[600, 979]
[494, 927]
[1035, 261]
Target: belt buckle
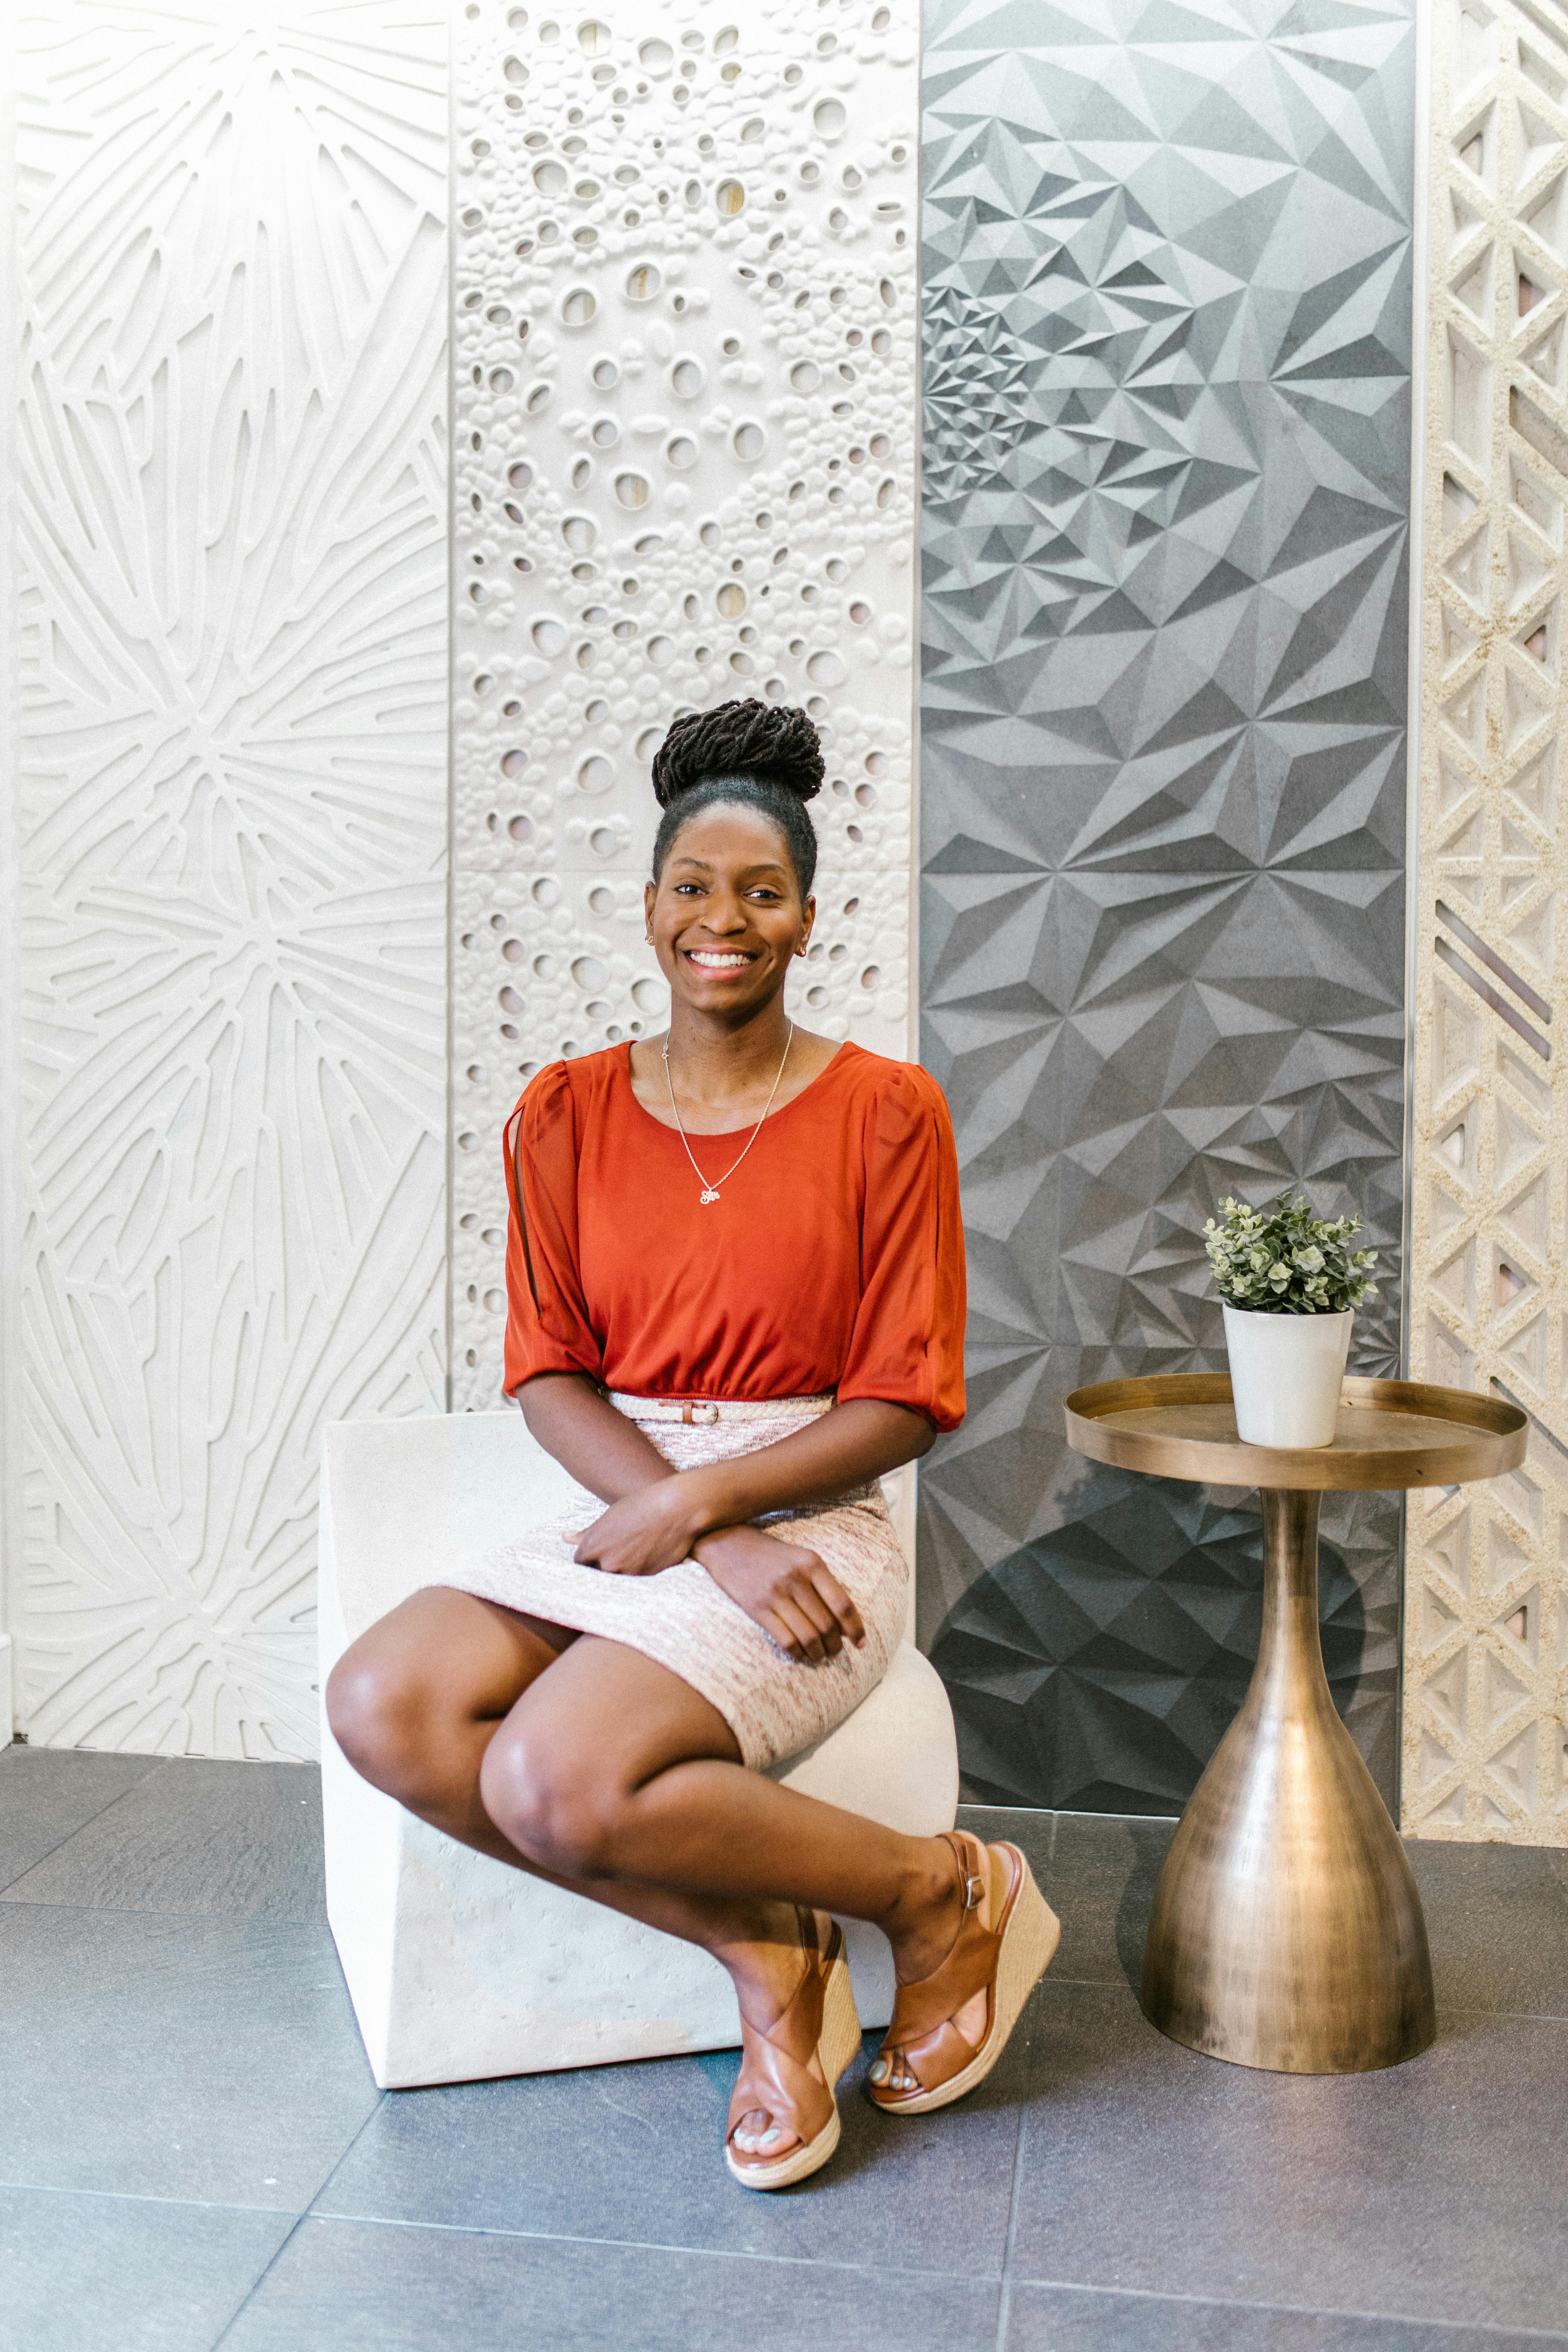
[704, 1415]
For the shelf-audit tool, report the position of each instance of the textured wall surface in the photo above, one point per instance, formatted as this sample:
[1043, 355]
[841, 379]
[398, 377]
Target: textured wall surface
[1167, 303]
[685, 469]
[232, 557]
[1486, 1731]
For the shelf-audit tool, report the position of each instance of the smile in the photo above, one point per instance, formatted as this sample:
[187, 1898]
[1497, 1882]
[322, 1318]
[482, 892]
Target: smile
[719, 959]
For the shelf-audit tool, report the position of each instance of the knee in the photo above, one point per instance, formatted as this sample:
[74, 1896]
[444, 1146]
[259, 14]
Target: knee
[553, 1808]
[380, 1711]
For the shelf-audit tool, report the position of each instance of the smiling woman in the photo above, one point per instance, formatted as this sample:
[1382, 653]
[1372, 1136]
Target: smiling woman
[735, 1280]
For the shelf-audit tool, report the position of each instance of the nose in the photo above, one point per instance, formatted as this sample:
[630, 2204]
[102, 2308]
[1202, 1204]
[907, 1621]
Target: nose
[723, 915]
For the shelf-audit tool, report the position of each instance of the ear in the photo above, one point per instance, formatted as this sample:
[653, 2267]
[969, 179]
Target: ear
[649, 893]
[808, 917]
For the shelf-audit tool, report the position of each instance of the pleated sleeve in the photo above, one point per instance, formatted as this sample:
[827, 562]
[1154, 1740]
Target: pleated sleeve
[906, 1344]
[547, 1326]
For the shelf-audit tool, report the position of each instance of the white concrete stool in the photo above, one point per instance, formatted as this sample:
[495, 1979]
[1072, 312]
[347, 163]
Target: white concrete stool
[457, 1967]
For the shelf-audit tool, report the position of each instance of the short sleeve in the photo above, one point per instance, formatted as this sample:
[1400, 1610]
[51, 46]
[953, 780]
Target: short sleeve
[907, 1345]
[547, 1325]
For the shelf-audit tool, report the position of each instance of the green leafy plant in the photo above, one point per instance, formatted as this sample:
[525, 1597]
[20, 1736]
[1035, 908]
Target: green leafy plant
[1281, 1260]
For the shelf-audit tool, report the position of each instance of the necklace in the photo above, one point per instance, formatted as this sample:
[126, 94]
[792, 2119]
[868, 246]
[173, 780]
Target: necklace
[709, 1192]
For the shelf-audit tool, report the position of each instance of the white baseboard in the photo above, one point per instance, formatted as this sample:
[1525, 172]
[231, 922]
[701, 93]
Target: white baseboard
[7, 1716]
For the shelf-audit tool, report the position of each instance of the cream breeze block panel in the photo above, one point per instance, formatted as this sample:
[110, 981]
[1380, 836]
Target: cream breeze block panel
[685, 435]
[1486, 1720]
[233, 595]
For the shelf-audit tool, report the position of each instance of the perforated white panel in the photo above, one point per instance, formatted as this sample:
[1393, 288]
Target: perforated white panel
[686, 463]
[233, 578]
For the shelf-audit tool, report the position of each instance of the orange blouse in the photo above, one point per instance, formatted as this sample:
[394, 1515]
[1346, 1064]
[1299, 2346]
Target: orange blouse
[834, 1261]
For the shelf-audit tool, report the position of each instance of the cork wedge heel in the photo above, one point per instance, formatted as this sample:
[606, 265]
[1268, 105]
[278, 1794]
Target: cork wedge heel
[1006, 1939]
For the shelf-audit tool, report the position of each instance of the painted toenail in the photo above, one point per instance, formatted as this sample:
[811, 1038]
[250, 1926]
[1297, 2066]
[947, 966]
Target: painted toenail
[880, 2070]
[770, 2137]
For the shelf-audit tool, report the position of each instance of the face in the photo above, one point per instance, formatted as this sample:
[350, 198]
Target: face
[726, 917]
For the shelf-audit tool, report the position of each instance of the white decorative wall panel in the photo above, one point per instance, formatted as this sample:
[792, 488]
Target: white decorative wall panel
[233, 558]
[1486, 1733]
[684, 375]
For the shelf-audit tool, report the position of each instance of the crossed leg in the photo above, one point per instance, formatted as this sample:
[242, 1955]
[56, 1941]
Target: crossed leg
[584, 1763]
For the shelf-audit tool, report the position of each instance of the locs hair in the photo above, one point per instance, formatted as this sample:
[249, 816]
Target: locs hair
[745, 753]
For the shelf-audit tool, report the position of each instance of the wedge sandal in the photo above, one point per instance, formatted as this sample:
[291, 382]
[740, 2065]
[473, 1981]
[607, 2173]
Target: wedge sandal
[792, 2070]
[1006, 1939]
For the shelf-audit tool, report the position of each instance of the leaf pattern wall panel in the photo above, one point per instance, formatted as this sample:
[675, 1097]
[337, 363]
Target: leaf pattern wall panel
[1166, 622]
[233, 559]
[685, 435]
[1486, 1668]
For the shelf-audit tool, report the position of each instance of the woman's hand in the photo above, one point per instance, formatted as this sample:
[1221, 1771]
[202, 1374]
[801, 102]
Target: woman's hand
[645, 1532]
[786, 1590]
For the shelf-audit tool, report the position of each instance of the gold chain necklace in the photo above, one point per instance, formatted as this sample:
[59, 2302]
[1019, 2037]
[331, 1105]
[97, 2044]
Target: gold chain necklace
[709, 1192]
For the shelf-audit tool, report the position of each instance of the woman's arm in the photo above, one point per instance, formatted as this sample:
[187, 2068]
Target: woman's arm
[574, 1419]
[652, 1526]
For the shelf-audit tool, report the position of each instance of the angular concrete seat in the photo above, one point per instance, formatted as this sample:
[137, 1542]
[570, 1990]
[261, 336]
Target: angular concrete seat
[457, 1967]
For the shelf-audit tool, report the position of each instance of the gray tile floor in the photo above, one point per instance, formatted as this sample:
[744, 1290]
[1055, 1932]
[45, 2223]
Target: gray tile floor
[192, 2153]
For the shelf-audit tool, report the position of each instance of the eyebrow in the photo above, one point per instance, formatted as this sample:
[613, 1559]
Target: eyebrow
[704, 866]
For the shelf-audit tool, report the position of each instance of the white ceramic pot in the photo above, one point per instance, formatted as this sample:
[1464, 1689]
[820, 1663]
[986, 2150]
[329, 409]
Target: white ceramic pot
[1285, 1374]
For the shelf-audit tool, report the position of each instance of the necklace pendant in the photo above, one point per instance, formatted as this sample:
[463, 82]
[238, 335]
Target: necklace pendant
[709, 1195]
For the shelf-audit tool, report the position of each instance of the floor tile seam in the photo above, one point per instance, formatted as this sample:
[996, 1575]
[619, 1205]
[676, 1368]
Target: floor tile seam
[1300, 2310]
[107, 1807]
[142, 1911]
[301, 2218]
[146, 2197]
[1517, 2016]
[1004, 2297]
[653, 2246]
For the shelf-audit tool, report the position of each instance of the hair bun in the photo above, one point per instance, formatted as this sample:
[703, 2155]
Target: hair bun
[776, 746]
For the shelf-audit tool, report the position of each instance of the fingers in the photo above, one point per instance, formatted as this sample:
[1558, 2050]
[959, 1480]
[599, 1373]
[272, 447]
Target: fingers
[805, 1641]
[832, 1592]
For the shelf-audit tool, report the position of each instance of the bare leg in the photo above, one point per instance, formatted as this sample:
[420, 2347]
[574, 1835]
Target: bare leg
[588, 1765]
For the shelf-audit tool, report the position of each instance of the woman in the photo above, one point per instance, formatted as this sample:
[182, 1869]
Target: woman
[736, 1277]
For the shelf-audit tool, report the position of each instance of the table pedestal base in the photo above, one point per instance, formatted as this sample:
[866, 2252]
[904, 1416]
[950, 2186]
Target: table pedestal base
[1287, 1931]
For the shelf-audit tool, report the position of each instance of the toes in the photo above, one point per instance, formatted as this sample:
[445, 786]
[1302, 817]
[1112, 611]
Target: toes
[888, 2075]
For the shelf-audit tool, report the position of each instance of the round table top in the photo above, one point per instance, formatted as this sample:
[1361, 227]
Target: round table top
[1389, 1433]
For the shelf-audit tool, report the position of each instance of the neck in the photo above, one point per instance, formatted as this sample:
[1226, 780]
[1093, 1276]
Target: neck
[712, 1061]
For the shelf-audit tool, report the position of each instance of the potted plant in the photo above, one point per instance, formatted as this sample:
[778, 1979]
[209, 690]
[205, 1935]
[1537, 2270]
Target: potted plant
[1291, 1284]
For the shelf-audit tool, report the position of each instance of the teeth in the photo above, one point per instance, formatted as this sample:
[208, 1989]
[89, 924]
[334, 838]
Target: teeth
[720, 962]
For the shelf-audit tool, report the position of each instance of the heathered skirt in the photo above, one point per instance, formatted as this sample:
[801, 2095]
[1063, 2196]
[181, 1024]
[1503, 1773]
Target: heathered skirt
[774, 1705]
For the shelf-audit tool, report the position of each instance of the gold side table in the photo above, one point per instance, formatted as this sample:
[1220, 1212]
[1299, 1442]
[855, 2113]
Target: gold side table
[1287, 1931]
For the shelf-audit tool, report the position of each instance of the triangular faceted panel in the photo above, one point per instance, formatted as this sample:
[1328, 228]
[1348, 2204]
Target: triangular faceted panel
[1521, 1623]
[1535, 791]
[1502, 1695]
[1448, 1552]
[1536, 503]
[1443, 1211]
[1437, 1619]
[1472, 289]
[1466, 713]
[1505, 1557]
[1530, 937]
[1516, 1142]
[1527, 1218]
[1524, 709]
[1447, 1691]
[1455, 1282]
[1539, 143]
[1527, 571]
[1547, 218]
[1525, 1353]
[1450, 1809]
[1513, 1766]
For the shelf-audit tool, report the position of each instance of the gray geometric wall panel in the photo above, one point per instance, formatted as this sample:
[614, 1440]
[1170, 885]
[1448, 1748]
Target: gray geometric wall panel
[1167, 490]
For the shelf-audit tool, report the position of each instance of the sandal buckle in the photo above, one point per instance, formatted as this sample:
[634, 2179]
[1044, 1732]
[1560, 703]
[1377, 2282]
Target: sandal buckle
[974, 1892]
